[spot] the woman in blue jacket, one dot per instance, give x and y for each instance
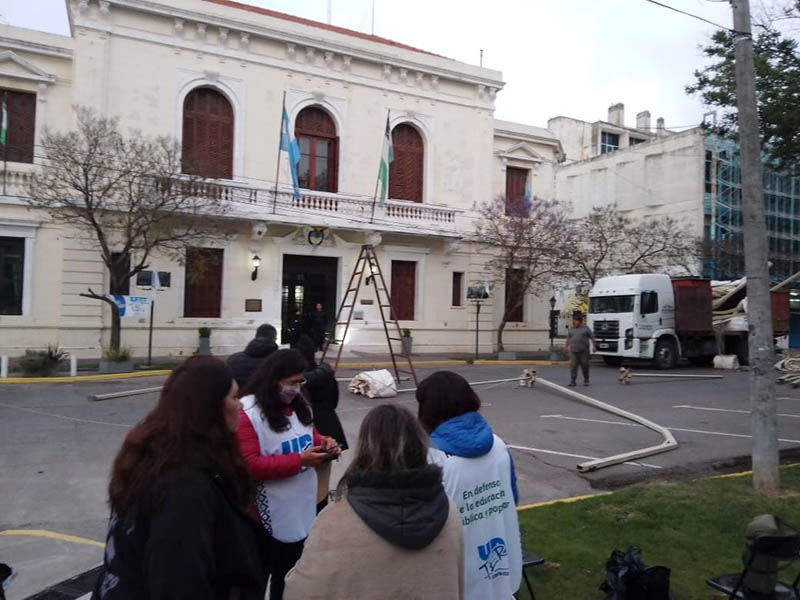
(478, 475)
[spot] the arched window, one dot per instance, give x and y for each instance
(405, 172)
(319, 150)
(207, 148)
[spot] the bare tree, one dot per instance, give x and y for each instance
(611, 243)
(527, 245)
(124, 194)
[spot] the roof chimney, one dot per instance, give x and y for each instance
(616, 114)
(660, 126)
(643, 120)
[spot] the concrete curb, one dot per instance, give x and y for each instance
(79, 378)
(344, 366)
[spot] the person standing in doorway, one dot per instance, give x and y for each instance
(576, 347)
(318, 324)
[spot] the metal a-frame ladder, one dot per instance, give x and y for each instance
(368, 263)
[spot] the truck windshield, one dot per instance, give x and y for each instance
(611, 304)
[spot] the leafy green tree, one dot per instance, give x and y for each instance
(777, 73)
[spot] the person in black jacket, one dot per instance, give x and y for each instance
(323, 390)
(245, 363)
(317, 325)
(179, 493)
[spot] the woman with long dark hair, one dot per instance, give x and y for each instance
(281, 448)
(323, 391)
(391, 532)
(479, 477)
(179, 493)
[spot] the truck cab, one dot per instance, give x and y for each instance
(633, 316)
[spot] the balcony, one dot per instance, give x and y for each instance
(348, 211)
(16, 178)
(345, 211)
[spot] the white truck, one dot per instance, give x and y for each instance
(661, 318)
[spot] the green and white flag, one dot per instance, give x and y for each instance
(4, 125)
(387, 156)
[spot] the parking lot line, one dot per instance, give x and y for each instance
(543, 451)
(732, 410)
(54, 535)
(702, 431)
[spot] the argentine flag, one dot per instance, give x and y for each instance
(289, 144)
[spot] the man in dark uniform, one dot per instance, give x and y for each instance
(576, 347)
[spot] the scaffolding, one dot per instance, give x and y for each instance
(723, 214)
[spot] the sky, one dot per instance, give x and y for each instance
(558, 57)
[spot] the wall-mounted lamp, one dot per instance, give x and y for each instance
(373, 270)
(256, 261)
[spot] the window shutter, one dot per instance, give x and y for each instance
(21, 108)
(514, 290)
(202, 296)
(515, 190)
(403, 289)
(406, 170)
(207, 145)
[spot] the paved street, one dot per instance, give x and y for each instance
(56, 447)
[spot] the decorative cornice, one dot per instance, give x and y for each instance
(315, 43)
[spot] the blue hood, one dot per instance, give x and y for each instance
(467, 435)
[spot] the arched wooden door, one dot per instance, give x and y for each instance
(405, 172)
(207, 144)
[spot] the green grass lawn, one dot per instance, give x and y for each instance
(696, 529)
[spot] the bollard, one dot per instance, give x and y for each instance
(73, 365)
(3, 366)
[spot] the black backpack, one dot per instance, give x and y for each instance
(628, 578)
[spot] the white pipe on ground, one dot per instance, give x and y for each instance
(3, 366)
(97, 397)
(669, 442)
(73, 365)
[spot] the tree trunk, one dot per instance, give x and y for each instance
(500, 335)
(763, 419)
(114, 342)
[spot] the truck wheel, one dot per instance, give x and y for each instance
(612, 361)
(666, 355)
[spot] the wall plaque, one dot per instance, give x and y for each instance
(252, 305)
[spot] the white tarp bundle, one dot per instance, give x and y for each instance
(374, 384)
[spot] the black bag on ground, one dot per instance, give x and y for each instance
(628, 578)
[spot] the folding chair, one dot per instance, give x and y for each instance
(529, 559)
(783, 548)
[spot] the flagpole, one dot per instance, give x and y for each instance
(378, 178)
(278, 162)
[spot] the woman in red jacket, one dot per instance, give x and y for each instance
(281, 448)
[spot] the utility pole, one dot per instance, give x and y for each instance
(763, 418)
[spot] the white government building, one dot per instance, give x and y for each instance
(178, 66)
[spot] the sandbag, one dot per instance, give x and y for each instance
(729, 362)
(374, 384)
